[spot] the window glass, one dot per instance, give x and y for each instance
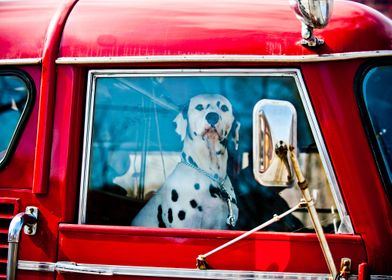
(14, 97)
(170, 131)
(377, 95)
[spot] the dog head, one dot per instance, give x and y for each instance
(208, 117)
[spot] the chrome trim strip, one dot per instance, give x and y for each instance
(345, 227)
(88, 130)
(381, 277)
(179, 273)
(222, 58)
(37, 266)
(98, 269)
(20, 61)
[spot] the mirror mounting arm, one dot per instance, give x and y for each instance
(308, 38)
(303, 185)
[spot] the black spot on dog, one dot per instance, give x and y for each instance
(191, 161)
(224, 195)
(193, 203)
(174, 195)
(181, 215)
(218, 104)
(199, 107)
(197, 186)
(183, 155)
(170, 215)
(224, 142)
(161, 223)
(184, 111)
(200, 208)
(214, 191)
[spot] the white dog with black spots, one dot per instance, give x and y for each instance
(198, 193)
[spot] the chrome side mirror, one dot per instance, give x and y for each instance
(312, 14)
(274, 129)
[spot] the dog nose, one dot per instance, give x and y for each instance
(212, 118)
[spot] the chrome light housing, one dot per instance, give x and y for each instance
(312, 14)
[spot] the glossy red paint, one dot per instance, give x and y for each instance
(363, 272)
(186, 28)
(259, 27)
(337, 111)
(22, 30)
(179, 248)
(67, 138)
(19, 171)
(47, 95)
(131, 28)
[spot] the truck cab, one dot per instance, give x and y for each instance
(207, 140)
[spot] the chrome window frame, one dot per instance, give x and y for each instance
(345, 226)
(86, 60)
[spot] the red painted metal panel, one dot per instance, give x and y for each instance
(175, 27)
(206, 27)
(213, 27)
(33, 275)
(19, 170)
(332, 92)
(47, 96)
(179, 248)
(67, 139)
(42, 246)
(23, 27)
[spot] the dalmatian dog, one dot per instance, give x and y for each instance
(198, 193)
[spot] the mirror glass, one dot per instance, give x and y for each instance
(274, 130)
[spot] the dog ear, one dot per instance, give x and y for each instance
(235, 134)
(181, 125)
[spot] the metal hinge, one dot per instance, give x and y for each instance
(31, 229)
(345, 268)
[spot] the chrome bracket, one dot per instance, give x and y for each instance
(308, 38)
(31, 229)
(345, 268)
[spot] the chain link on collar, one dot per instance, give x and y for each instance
(216, 179)
(224, 194)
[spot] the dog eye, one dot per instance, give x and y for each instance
(224, 108)
(199, 107)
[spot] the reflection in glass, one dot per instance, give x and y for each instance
(377, 93)
(135, 146)
(13, 101)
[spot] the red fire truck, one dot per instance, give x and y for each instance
(195, 139)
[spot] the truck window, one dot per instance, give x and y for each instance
(137, 123)
(15, 97)
(377, 97)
